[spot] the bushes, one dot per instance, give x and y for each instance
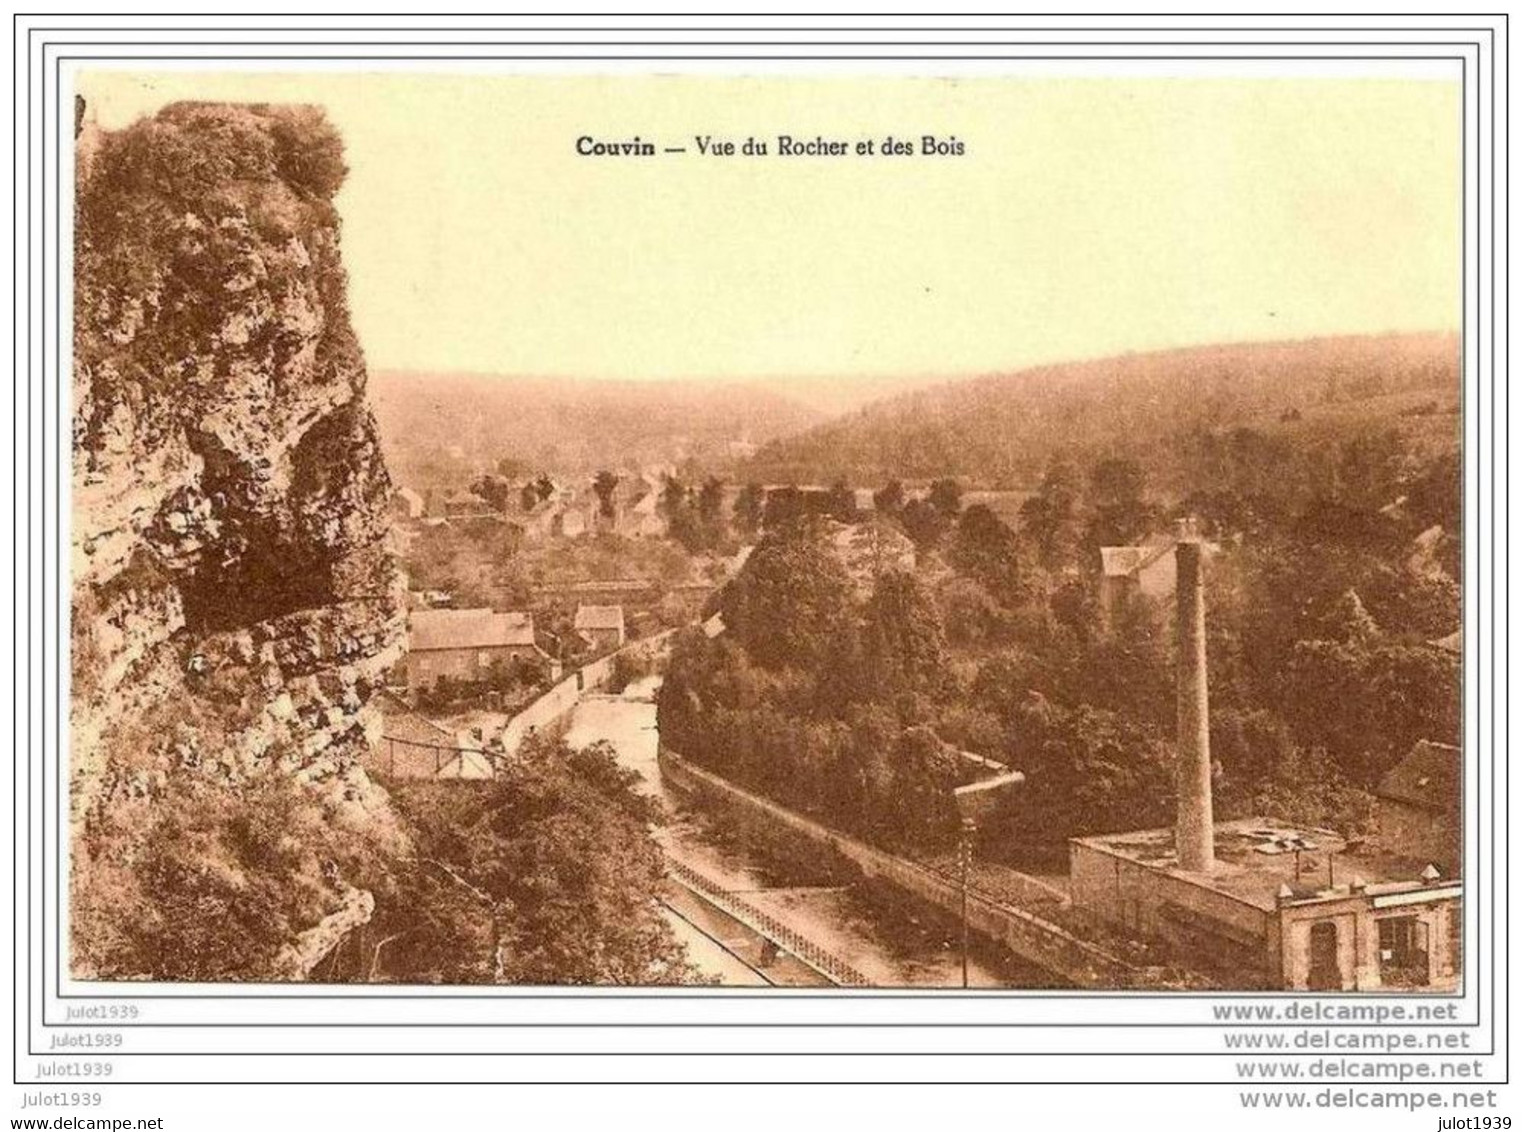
(629, 666)
(546, 874)
(225, 879)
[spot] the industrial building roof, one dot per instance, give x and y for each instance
(1258, 857)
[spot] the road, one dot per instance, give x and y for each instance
(900, 953)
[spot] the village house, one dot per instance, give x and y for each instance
(465, 645)
(1418, 802)
(641, 516)
(407, 505)
(1127, 571)
(600, 626)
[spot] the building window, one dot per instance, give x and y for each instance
(1403, 951)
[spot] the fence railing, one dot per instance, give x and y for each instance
(1040, 940)
(832, 967)
(442, 756)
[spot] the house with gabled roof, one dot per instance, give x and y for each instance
(466, 645)
(1418, 805)
(600, 626)
(1149, 570)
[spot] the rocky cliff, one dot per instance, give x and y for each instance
(233, 604)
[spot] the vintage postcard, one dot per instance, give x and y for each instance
(746, 550)
(769, 532)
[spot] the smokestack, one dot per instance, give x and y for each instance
(1194, 834)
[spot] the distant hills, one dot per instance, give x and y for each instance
(995, 431)
(441, 429)
(1001, 430)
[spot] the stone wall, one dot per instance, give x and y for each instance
(549, 714)
(1032, 938)
(545, 716)
(1195, 919)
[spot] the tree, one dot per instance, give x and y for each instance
(973, 617)
(1087, 770)
(1364, 696)
(1369, 470)
(308, 151)
(496, 490)
(711, 510)
(902, 641)
(543, 874)
(694, 519)
(748, 508)
(986, 550)
(788, 506)
(919, 801)
(1050, 516)
(511, 468)
(889, 499)
(675, 497)
(843, 502)
(605, 483)
(1253, 749)
(791, 603)
(946, 497)
(924, 523)
(1121, 515)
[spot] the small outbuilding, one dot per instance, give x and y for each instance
(600, 626)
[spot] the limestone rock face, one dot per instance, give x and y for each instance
(234, 606)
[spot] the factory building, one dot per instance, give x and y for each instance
(1272, 904)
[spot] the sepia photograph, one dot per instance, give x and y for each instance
(791, 532)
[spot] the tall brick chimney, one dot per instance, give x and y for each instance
(1194, 831)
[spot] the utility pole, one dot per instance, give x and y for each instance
(972, 801)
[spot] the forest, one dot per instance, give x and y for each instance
(439, 430)
(1004, 429)
(1333, 593)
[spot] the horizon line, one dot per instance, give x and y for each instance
(914, 375)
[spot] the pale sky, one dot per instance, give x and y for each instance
(1088, 217)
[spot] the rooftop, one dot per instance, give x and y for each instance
(1120, 561)
(1257, 857)
(599, 617)
(1428, 777)
(468, 629)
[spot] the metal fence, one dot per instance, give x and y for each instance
(830, 966)
(441, 757)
